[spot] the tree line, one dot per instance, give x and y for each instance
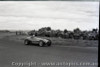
(75, 34)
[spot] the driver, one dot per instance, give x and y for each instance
(32, 36)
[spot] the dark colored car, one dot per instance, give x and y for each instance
(36, 40)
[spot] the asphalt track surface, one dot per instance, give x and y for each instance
(16, 54)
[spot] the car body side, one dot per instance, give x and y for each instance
(36, 40)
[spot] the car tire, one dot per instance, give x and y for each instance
(49, 43)
(26, 42)
(41, 43)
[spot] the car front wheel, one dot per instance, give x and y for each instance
(26, 42)
(41, 43)
(49, 43)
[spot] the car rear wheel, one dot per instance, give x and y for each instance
(41, 43)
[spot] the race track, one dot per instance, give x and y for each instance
(16, 54)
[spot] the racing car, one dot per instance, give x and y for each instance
(36, 40)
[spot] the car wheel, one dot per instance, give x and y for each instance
(26, 42)
(49, 43)
(41, 43)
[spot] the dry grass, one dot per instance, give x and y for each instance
(55, 41)
(60, 41)
(3, 34)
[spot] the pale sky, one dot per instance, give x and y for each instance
(55, 14)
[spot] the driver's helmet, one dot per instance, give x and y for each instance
(33, 35)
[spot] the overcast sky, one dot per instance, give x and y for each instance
(56, 14)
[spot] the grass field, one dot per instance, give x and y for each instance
(5, 34)
(55, 41)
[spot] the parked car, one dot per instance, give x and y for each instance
(36, 40)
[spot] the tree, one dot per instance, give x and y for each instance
(95, 30)
(77, 33)
(77, 30)
(65, 31)
(48, 28)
